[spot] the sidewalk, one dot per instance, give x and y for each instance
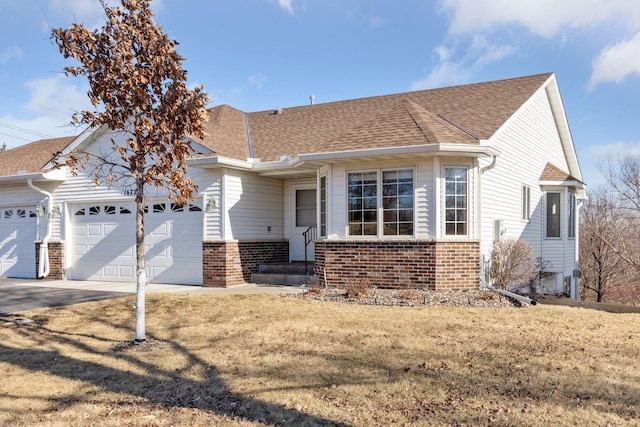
(26, 294)
(102, 286)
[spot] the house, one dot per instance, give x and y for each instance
(406, 190)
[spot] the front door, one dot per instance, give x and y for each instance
(303, 216)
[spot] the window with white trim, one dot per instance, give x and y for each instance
(553, 215)
(526, 203)
(323, 206)
(455, 201)
(388, 191)
(571, 215)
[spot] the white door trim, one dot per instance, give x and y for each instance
(296, 239)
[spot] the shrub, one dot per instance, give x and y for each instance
(358, 288)
(511, 263)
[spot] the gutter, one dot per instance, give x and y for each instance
(475, 150)
(525, 300)
(43, 266)
(53, 175)
(286, 162)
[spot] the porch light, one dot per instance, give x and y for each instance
(55, 211)
(211, 204)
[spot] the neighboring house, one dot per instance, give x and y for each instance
(404, 190)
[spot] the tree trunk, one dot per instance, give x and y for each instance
(141, 279)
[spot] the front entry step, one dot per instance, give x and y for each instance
(292, 273)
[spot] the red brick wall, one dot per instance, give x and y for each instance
(399, 263)
(56, 260)
(457, 265)
(229, 263)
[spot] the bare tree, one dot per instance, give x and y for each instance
(511, 263)
(600, 265)
(138, 88)
(623, 235)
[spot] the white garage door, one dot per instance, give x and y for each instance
(104, 243)
(17, 248)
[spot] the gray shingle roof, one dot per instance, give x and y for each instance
(458, 114)
(31, 157)
(453, 115)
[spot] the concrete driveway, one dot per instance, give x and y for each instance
(27, 294)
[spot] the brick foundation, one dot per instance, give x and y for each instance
(229, 263)
(56, 260)
(399, 263)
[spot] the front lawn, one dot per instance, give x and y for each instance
(269, 360)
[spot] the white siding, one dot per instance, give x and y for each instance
(252, 204)
(338, 195)
(213, 220)
(528, 142)
(425, 208)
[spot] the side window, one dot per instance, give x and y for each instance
(553, 215)
(323, 206)
(363, 203)
(397, 202)
(526, 203)
(571, 216)
(455, 201)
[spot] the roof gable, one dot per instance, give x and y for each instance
(554, 173)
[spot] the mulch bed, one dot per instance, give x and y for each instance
(410, 297)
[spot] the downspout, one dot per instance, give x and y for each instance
(482, 171)
(515, 296)
(43, 266)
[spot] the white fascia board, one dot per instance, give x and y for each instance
(53, 175)
(562, 124)
(468, 150)
(571, 183)
(218, 161)
(472, 150)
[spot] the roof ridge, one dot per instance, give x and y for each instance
(407, 93)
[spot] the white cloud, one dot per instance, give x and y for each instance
(376, 22)
(557, 19)
(286, 5)
(478, 54)
(88, 13)
(258, 80)
(10, 54)
(18, 131)
(543, 17)
(56, 95)
(598, 156)
(616, 62)
(52, 101)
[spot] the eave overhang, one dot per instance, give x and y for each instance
(53, 175)
(308, 163)
(580, 187)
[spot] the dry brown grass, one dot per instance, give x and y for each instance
(265, 360)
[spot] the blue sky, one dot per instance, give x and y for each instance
(263, 54)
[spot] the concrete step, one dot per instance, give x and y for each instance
(280, 278)
(286, 268)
